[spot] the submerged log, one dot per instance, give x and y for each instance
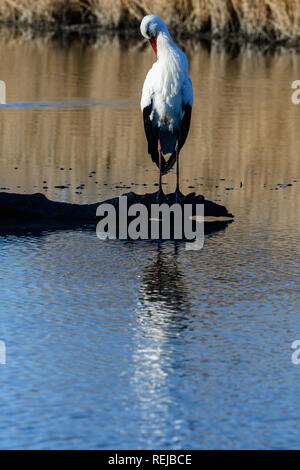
(27, 212)
(211, 209)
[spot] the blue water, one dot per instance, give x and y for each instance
(69, 104)
(139, 345)
(117, 345)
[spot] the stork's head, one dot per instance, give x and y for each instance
(151, 27)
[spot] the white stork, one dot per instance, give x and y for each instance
(167, 99)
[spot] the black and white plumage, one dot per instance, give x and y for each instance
(167, 97)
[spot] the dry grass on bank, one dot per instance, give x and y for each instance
(253, 19)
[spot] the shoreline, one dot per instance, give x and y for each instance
(90, 32)
(260, 22)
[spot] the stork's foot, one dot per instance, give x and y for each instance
(160, 197)
(178, 195)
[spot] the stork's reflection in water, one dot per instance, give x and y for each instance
(164, 338)
(163, 293)
(163, 313)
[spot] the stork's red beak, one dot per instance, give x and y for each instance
(153, 44)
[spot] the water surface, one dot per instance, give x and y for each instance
(140, 345)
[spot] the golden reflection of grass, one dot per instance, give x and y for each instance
(254, 18)
(244, 126)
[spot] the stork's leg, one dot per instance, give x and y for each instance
(178, 194)
(160, 191)
(159, 156)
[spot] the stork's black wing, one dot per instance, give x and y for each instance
(184, 130)
(185, 125)
(152, 137)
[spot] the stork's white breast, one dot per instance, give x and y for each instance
(168, 87)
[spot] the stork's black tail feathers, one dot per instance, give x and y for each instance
(169, 164)
(155, 158)
(165, 165)
(152, 137)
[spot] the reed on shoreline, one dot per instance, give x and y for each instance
(254, 20)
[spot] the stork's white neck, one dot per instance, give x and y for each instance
(165, 44)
